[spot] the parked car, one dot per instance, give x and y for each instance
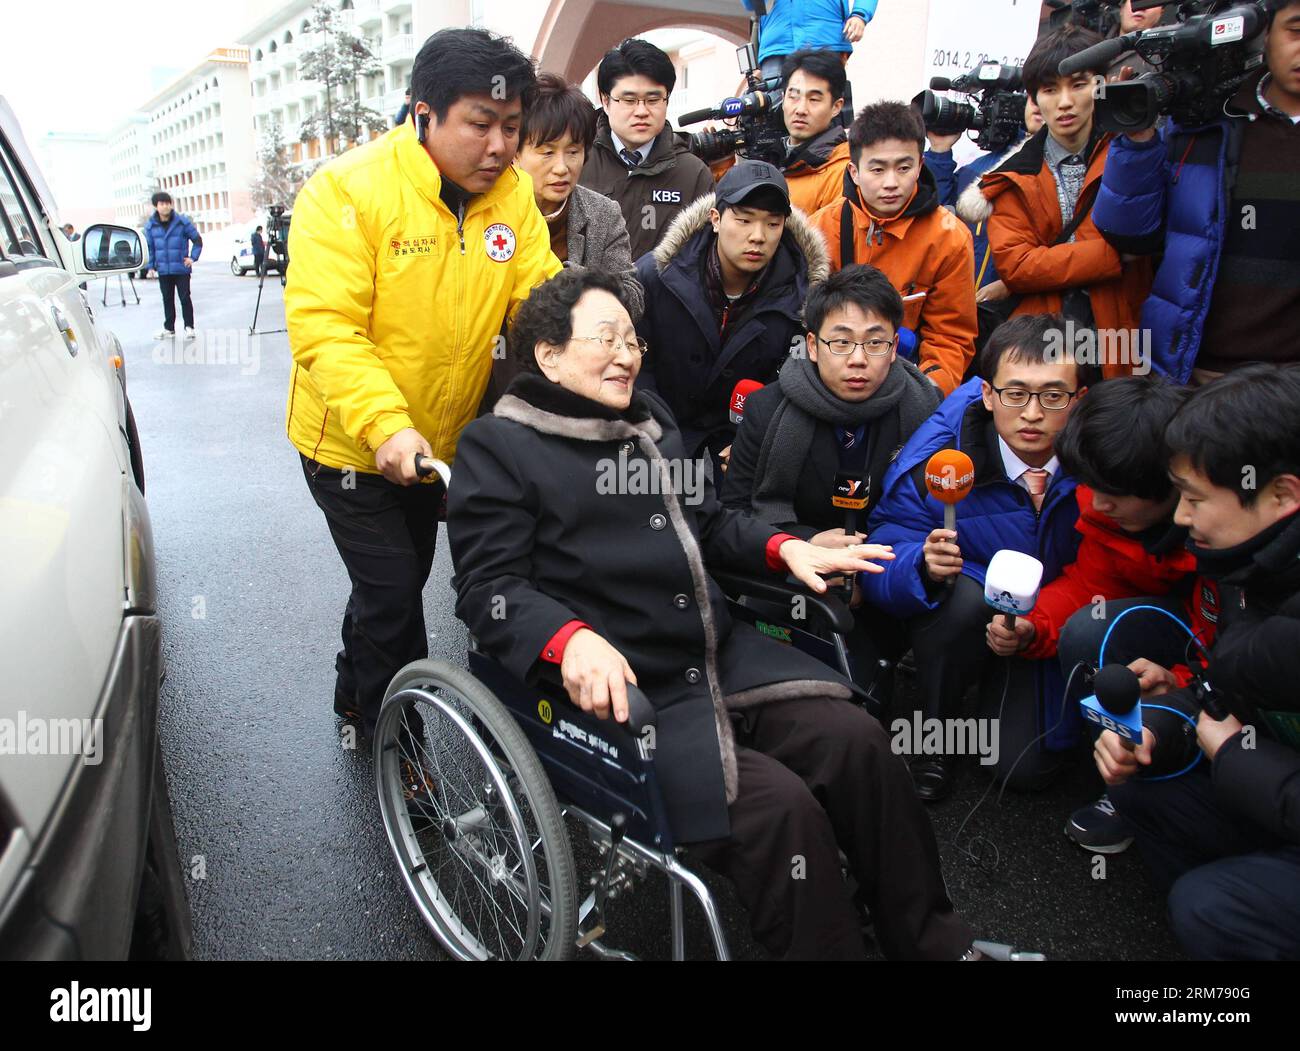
(241, 262)
(89, 867)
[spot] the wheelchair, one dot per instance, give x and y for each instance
(477, 773)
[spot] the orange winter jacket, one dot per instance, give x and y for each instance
(928, 255)
(1024, 222)
(816, 177)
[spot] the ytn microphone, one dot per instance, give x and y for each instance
(1011, 584)
(740, 392)
(1115, 706)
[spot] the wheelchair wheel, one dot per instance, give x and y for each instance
(473, 820)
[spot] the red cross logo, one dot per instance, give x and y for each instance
(499, 242)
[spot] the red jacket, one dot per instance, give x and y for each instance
(1113, 564)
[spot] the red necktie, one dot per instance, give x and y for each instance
(1036, 482)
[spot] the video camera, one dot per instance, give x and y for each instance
(277, 230)
(1098, 15)
(760, 132)
(998, 113)
(1199, 63)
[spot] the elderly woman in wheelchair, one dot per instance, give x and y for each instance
(581, 540)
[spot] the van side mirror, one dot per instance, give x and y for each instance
(111, 248)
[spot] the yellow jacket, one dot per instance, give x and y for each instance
(393, 312)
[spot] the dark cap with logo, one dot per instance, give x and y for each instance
(748, 176)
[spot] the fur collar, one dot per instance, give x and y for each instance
(547, 407)
(972, 205)
(695, 217)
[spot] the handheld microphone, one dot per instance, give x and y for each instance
(739, 393)
(1011, 584)
(949, 476)
(1116, 706)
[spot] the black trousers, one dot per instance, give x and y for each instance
(386, 535)
(259, 263)
(1234, 888)
(951, 654)
(179, 284)
(818, 776)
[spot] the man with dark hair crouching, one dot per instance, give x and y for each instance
(844, 406)
(1131, 554)
(1213, 791)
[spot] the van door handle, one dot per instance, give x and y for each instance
(65, 329)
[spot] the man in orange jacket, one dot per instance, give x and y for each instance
(1045, 246)
(889, 216)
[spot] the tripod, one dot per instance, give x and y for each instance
(261, 280)
(121, 289)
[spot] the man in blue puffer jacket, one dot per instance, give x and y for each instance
(174, 247)
(818, 25)
(1219, 202)
(1020, 499)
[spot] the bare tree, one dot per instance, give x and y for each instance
(336, 60)
(278, 181)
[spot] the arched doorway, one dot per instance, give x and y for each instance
(575, 33)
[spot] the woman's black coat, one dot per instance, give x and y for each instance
(539, 539)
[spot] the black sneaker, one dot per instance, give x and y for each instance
(1099, 829)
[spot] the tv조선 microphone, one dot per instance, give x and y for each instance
(739, 393)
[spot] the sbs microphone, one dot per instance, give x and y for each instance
(1115, 706)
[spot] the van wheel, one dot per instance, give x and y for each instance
(162, 929)
(235, 268)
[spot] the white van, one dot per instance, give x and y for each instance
(88, 859)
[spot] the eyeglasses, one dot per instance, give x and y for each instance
(612, 343)
(873, 348)
(1018, 397)
(652, 101)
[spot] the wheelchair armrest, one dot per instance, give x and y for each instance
(640, 712)
(837, 615)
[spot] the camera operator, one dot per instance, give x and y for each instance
(959, 190)
(1223, 836)
(1218, 201)
(1129, 21)
(818, 145)
(638, 161)
(408, 254)
(1047, 250)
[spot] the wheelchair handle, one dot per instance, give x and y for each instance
(427, 465)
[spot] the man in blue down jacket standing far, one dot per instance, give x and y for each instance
(174, 247)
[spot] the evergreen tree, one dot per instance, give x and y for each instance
(336, 60)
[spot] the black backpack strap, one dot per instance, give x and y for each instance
(1081, 210)
(847, 254)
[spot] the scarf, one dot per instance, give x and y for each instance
(903, 402)
(1270, 554)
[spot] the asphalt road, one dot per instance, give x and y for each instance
(280, 823)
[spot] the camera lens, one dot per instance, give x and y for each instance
(944, 116)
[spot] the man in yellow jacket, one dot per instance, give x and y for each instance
(408, 255)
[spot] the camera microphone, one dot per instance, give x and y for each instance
(1099, 56)
(940, 84)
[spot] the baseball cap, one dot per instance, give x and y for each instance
(747, 176)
